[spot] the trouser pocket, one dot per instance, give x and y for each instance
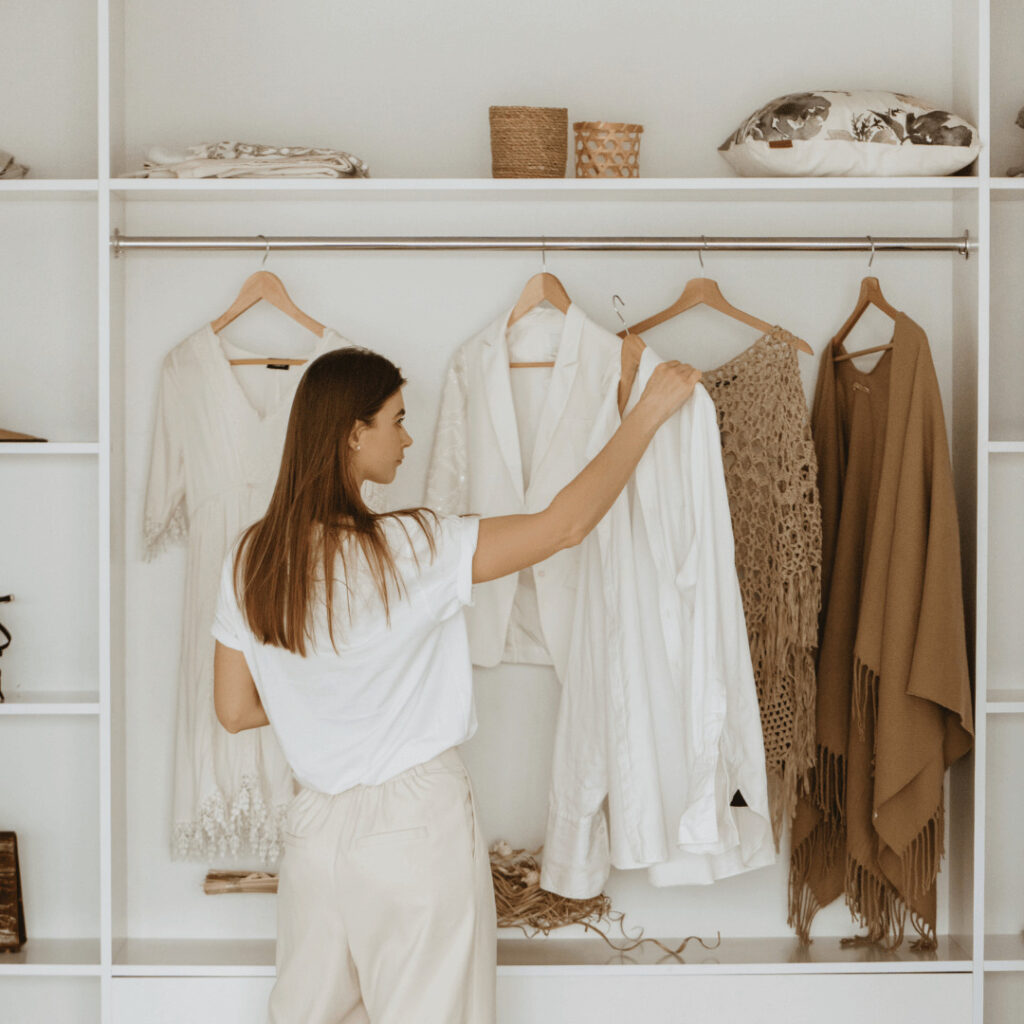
(305, 816)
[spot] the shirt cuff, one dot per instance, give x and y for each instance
(577, 860)
(698, 825)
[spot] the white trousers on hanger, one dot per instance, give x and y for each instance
(385, 905)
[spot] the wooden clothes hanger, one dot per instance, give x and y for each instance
(269, 287)
(705, 291)
(629, 362)
(870, 295)
(629, 357)
(541, 287)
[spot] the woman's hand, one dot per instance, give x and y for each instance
(670, 386)
(509, 543)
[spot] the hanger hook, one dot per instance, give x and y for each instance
(543, 254)
(616, 303)
(967, 245)
(266, 252)
(701, 250)
(872, 241)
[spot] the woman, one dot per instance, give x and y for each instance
(385, 905)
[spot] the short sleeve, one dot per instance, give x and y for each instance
(451, 574)
(228, 625)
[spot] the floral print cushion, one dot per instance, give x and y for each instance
(850, 133)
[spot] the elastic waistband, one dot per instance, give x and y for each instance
(449, 760)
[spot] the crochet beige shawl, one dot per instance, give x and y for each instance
(771, 474)
(894, 696)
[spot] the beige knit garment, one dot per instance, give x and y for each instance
(771, 475)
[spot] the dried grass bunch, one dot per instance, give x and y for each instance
(522, 903)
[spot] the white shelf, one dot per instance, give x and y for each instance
(53, 957)
(49, 448)
(193, 957)
(1004, 702)
(54, 702)
(776, 955)
(782, 955)
(1004, 953)
(42, 187)
(532, 188)
(1006, 447)
(49, 188)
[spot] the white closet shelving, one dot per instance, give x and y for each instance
(119, 932)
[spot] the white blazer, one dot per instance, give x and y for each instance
(658, 727)
(476, 464)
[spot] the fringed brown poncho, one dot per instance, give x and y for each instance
(894, 697)
(771, 474)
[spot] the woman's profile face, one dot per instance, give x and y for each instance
(382, 443)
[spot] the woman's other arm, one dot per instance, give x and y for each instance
(507, 544)
(235, 697)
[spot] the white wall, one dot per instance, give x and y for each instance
(54, 814)
(416, 309)
(48, 57)
(48, 318)
(1007, 85)
(1007, 366)
(48, 522)
(407, 89)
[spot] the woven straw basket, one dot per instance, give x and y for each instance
(529, 142)
(607, 149)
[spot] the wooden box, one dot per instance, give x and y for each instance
(12, 909)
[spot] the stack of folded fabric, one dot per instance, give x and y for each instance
(9, 168)
(245, 160)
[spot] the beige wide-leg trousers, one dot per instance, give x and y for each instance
(385, 905)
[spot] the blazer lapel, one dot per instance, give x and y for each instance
(498, 391)
(560, 385)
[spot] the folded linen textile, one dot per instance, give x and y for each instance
(284, 168)
(249, 160)
(9, 168)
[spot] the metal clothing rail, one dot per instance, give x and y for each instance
(962, 245)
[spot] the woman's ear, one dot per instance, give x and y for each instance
(355, 435)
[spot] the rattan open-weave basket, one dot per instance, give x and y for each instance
(529, 142)
(607, 149)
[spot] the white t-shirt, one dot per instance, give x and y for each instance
(391, 696)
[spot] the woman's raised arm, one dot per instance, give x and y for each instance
(507, 544)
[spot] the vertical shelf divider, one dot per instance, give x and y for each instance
(103, 304)
(984, 257)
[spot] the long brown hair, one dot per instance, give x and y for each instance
(316, 503)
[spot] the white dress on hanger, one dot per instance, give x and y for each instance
(216, 452)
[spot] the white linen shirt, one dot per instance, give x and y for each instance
(391, 696)
(659, 711)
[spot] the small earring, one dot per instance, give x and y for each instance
(357, 447)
